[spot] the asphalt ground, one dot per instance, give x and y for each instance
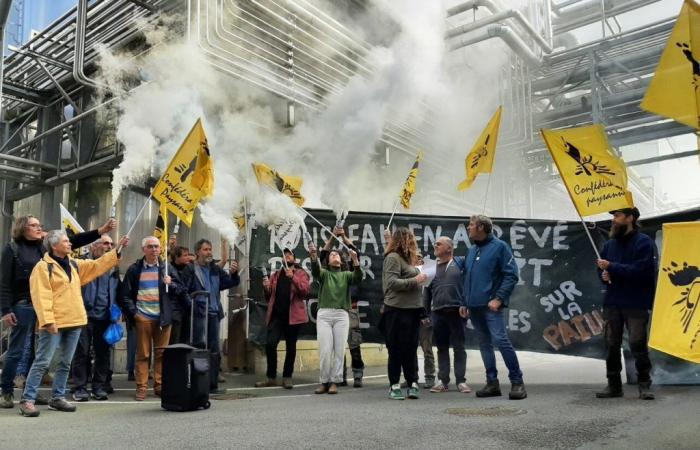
(561, 411)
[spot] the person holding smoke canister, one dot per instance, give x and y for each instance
(332, 320)
(286, 313)
(403, 310)
(58, 302)
(628, 270)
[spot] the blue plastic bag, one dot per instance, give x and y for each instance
(114, 333)
(115, 313)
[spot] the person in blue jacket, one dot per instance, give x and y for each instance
(206, 275)
(490, 275)
(627, 267)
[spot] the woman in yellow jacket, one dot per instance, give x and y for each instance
(58, 302)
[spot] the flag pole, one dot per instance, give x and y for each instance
(133, 224)
(165, 232)
(486, 195)
(328, 230)
(393, 213)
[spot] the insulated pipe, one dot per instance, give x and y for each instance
(590, 11)
(5, 6)
(500, 16)
(79, 58)
(508, 36)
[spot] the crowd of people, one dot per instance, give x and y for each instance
(59, 305)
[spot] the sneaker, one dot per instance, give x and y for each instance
(322, 389)
(19, 381)
(413, 391)
(492, 389)
(81, 395)
(333, 389)
(99, 394)
(429, 383)
(269, 382)
(610, 391)
(517, 391)
(27, 409)
(645, 391)
(41, 400)
(109, 389)
(140, 394)
(357, 383)
(395, 392)
(287, 383)
(60, 404)
(440, 387)
(464, 388)
(7, 401)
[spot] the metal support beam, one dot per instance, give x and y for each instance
(678, 155)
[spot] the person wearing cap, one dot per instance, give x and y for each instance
(627, 267)
(286, 313)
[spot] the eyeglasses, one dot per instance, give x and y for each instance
(35, 225)
(152, 246)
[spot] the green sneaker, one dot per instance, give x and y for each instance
(395, 393)
(413, 391)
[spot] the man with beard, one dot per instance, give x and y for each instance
(627, 266)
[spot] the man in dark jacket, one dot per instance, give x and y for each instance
(98, 297)
(443, 298)
(490, 275)
(206, 275)
(16, 264)
(146, 302)
(627, 267)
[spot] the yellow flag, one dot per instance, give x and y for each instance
(161, 229)
(595, 178)
(189, 176)
(675, 324)
(409, 186)
(480, 158)
(71, 227)
(286, 184)
(673, 92)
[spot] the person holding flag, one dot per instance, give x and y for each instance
(627, 267)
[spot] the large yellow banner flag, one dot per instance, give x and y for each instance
(480, 158)
(595, 178)
(409, 186)
(189, 176)
(675, 323)
(673, 92)
(286, 184)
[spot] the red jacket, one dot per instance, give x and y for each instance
(299, 291)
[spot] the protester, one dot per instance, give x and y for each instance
(490, 277)
(425, 340)
(18, 259)
(354, 334)
(443, 298)
(332, 321)
(147, 303)
(180, 328)
(55, 292)
(286, 313)
(206, 275)
(98, 297)
(627, 267)
(403, 310)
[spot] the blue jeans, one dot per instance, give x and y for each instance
(66, 340)
(27, 356)
(26, 319)
(212, 343)
(491, 329)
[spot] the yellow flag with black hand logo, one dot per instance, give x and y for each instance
(673, 92)
(189, 176)
(594, 176)
(480, 158)
(675, 324)
(409, 186)
(286, 184)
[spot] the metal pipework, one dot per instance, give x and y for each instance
(508, 36)
(590, 11)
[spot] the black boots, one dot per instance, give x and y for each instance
(492, 389)
(517, 392)
(645, 390)
(613, 389)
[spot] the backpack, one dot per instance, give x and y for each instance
(72, 263)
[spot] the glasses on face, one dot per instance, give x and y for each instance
(37, 226)
(152, 246)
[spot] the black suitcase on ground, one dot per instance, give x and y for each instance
(186, 372)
